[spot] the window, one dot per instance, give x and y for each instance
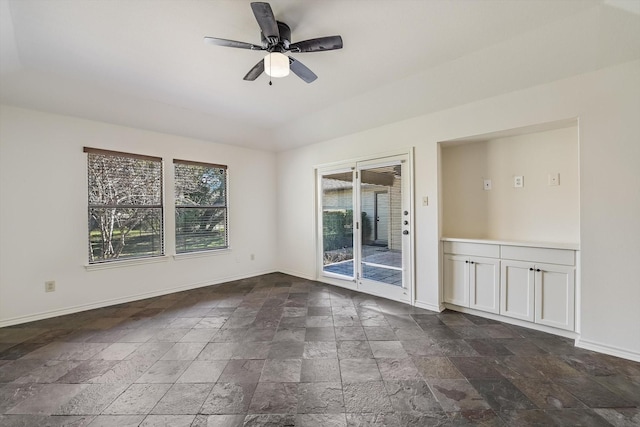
(125, 206)
(201, 206)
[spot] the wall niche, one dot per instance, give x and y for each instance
(481, 196)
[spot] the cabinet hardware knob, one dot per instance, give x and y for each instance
(466, 262)
(405, 232)
(472, 262)
(538, 269)
(531, 269)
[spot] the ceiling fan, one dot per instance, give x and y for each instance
(276, 40)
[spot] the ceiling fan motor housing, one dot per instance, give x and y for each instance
(285, 38)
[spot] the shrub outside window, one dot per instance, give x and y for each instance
(125, 206)
(201, 206)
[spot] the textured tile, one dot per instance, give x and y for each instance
(436, 367)
(203, 371)
(164, 371)
(457, 395)
(117, 351)
(137, 399)
(546, 394)
(217, 351)
(242, 371)
(47, 399)
(370, 397)
(502, 395)
(411, 396)
(229, 398)
(117, 421)
(126, 371)
(168, 421)
(621, 417)
(320, 398)
(290, 334)
(592, 393)
(218, 421)
(49, 372)
(321, 420)
(348, 333)
(13, 394)
(476, 367)
(91, 400)
(270, 420)
(380, 333)
(184, 351)
(388, 349)
(354, 350)
(372, 420)
(274, 398)
(286, 350)
(281, 370)
(320, 350)
(398, 369)
(316, 354)
(183, 399)
(320, 370)
(359, 370)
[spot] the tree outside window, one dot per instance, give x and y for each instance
(125, 206)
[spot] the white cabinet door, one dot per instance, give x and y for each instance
(517, 290)
(456, 280)
(484, 284)
(555, 295)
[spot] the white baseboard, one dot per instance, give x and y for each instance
(105, 303)
(428, 306)
(608, 349)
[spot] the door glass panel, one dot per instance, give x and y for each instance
(337, 224)
(381, 219)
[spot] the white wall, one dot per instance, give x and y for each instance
(607, 103)
(43, 215)
(536, 212)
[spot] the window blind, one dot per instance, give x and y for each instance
(201, 206)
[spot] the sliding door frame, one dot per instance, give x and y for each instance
(351, 165)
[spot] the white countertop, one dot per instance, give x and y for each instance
(550, 245)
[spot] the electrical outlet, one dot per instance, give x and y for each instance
(518, 181)
(554, 179)
(253, 257)
(50, 286)
(487, 184)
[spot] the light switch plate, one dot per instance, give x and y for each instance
(518, 181)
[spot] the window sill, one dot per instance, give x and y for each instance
(201, 254)
(126, 263)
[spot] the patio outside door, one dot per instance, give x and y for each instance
(366, 226)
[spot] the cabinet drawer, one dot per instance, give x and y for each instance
(473, 249)
(549, 256)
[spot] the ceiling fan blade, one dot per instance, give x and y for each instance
(316, 45)
(301, 70)
(266, 20)
(255, 72)
(231, 43)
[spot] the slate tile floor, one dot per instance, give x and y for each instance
(276, 350)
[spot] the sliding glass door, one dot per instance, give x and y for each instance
(365, 226)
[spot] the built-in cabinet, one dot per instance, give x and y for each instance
(530, 283)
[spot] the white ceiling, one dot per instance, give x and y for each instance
(143, 63)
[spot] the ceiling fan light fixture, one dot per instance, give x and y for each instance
(276, 65)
